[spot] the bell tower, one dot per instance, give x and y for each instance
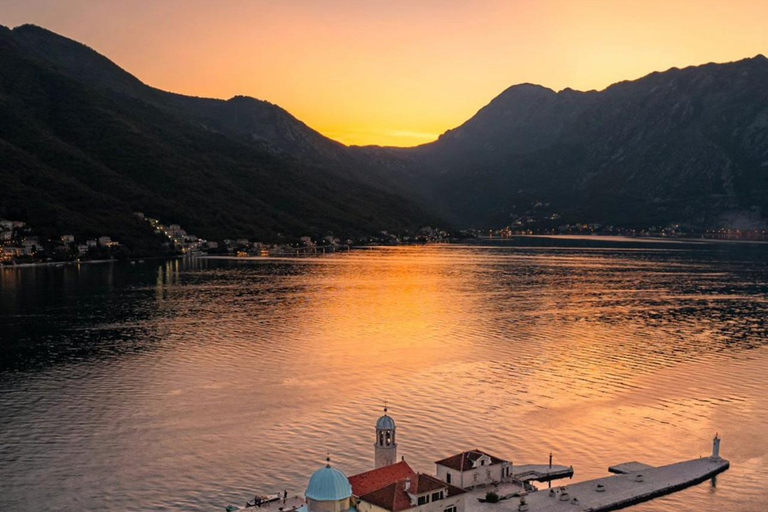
(385, 447)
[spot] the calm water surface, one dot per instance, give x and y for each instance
(190, 385)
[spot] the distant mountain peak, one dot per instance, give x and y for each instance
(528, 89)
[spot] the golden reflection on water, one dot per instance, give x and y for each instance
(390, 318)
(212, 379)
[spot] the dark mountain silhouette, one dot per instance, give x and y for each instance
(685, 146)
(83, 144)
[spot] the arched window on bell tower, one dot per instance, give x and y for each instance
(385, 447)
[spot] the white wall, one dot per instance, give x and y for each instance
(482, 475)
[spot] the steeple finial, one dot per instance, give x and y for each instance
(328, 459)
(385, 406)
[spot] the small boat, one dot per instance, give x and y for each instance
(263, 500)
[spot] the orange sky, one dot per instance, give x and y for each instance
(397, 72)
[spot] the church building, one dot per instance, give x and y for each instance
(328, 491)
(390, 487)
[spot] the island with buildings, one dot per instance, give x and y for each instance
(476, 481)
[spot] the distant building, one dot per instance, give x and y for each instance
(67, 239)
(31, 246)
(212, 245)
(6, 236)
(8, 252)
(92, 243)
(82, 249)
(473, 468)
(105, 241)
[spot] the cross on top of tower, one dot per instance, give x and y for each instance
(385, 406)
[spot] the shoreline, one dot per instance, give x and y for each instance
(485, 238)
(629, 239)
(37, 264)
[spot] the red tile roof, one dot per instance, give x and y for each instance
(395, 498)
(464, 461)
(426, 483)
(365, 483)
(392, 497)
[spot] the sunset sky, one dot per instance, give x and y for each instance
(397, 72)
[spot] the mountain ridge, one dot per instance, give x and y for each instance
(687, 145)
(81, 158)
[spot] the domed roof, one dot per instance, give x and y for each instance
(328, 484)
(385, 423)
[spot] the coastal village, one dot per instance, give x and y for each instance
(671, 231)
(19, 244)
(477, 481)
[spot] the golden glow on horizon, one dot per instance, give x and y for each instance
(397, 72)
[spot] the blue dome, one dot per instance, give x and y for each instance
(328, 484)
(385, 423)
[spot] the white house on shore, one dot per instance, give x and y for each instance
(473, 468)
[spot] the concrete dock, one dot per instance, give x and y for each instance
(612, 492)
(628, 467)
(541, 472)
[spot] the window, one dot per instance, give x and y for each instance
(482, 462)
(437, 496)
(448, 477)
(423, 500)
(450, 509)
